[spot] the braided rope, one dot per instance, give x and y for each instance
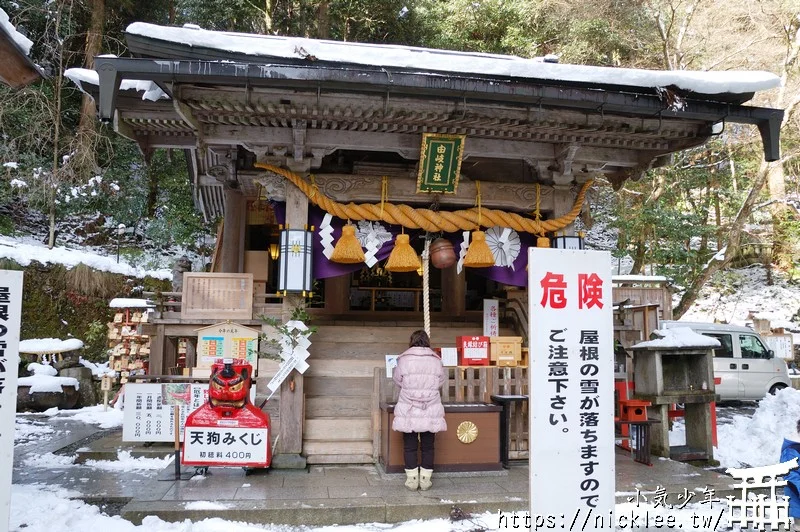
(431, 221)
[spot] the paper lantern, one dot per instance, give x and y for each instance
(348, 248)
(403, 257)
(295, 261)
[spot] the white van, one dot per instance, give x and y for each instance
(745, 368)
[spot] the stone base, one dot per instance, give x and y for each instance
(288, 461)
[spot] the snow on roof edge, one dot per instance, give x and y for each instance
(21, 41)
(383, 55)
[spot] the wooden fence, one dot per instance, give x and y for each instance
(474, 385)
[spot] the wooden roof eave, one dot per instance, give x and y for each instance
(16, 69)
(590, 101)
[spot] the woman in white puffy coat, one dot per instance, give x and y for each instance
(419, 413)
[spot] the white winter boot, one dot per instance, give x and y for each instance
(412, 479)
(425, 478)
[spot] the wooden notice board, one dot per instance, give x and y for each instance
(226, 340)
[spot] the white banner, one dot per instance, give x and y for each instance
(491, 317)
(10, 318)
(146, 418)
(225, 445)
(571, 382)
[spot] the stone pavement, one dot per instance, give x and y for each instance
(317, 495)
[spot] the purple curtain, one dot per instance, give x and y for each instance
(323, 268)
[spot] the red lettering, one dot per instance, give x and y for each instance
(590, 290)
(553, 290)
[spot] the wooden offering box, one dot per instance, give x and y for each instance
(506, 350)
(477, 423)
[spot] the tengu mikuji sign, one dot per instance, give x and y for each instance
(10, 318)
(571, 383)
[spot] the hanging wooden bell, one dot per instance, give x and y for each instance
(478, 255)
(348, 248)
(403, 257)
(442, 253)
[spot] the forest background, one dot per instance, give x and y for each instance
(712, 208)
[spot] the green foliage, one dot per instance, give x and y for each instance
(298, 314)
(95, 346)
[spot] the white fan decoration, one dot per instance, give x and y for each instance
(505, 245)
(372, 236)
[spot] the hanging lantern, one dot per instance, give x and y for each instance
(295, 261)
(568, 241)
(348, 248)
(442, 253)
(403, 257)
(479, 255)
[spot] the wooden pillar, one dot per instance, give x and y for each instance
(454, 292)
(292, 402)
(563, 200)
(233, 231)
(156, 358)
(337, 294)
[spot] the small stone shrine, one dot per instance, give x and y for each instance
(676, 366)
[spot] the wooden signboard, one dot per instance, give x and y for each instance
(781, 344)
(440, 162)
(226, 340)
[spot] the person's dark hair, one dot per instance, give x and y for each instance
(419, 339)
(798, 426)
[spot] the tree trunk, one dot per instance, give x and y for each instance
(732, 243)
(323, 20)
(86, 126)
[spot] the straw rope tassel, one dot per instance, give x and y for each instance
(348, 248)
(403, 258)
(431, 221)
(478, 254)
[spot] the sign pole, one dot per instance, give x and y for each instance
(10, 318)
(176, 409)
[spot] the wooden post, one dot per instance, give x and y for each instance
(176, 410)
(454, 292)
(233, 231)
(292, 404)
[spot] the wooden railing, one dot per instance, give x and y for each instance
(471, 385)
(214, 296)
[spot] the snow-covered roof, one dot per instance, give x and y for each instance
(150, 90)
(445, 61)
(678, 337)
(128, 302)
(19, 39)
(49, 345)
(639, 279)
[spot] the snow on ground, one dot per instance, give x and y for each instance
(25, 251)
(736, 296)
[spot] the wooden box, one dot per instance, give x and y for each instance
(451, 454)
(506, 350)
(473, 350)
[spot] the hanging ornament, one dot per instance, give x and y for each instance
(442, 253)
(505, 245)
(542, 242)
(348, 249)
(326, 235)
(403, 257)
(462, 252)
(372, 236)
(478, 255)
